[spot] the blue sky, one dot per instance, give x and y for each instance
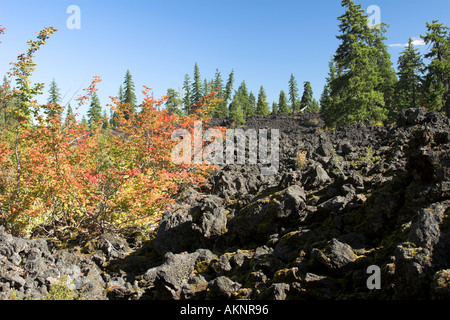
(159, 41)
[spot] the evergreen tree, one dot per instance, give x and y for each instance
(236, 113)
(388, 76)
(5, 91)
(221, 110)
(325, 96)
(129, 97)
(354, 95)
(262, 106)
(314, 106)
(70, 116)
(407, 90)
(106, 123)
(54, 94)
(293, 93)
(437, 78)
(243, 100)
(307, 96)
(196, 87)
(54, 98)
(173, 102)
(120, 95)
(218, 84)
(187, 106)
(94, 112)
(229, 87)
(275, 108)
(252, 100)
(84, 122)
(283, 107)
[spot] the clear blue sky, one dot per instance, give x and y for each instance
(159, 41)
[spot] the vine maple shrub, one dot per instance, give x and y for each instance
(57, 173)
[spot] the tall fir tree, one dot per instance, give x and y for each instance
(54, 98)
(315, 107)
(187, 100)
(129, 97)
(407, 91)
(229, 87)
(283, 106)
(388, 76)
(437, 78)
(197, 90)
(293, 93)
(243, 99)
(354, 95)
(307, 97)
(54, 95)
(94, 112)
(325, 102)
(252, 100)
(173, 102)
(262, 106)
(218, 84)
(275, 108)
(236, 115)
(221, 110)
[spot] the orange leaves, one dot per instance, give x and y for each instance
(82, 99)
(95, 181)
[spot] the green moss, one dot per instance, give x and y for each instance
(60, 291)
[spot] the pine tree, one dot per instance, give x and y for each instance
(54, 98)
(94, 112)
(307, 96)
(262, 106)
(5, 91)
(120, 95)
(129, 97)
(283, 107)
(236, 113)
(293, 93)
(173, 102)
(70, 116)
(187, 106)
(54, 94)
(315, 107)
(355, 94)
(196, 87)
(105, 122)
(243, 99)
(275, 108)
(222, 109)
(218, 85)
(325, 96)
(388, 76)
(407, 90)
(437, 78)
(252, 100)
(229, 87)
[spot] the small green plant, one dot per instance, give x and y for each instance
(60, 291)
(367, 157)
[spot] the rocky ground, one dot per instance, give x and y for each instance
(341, 201)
